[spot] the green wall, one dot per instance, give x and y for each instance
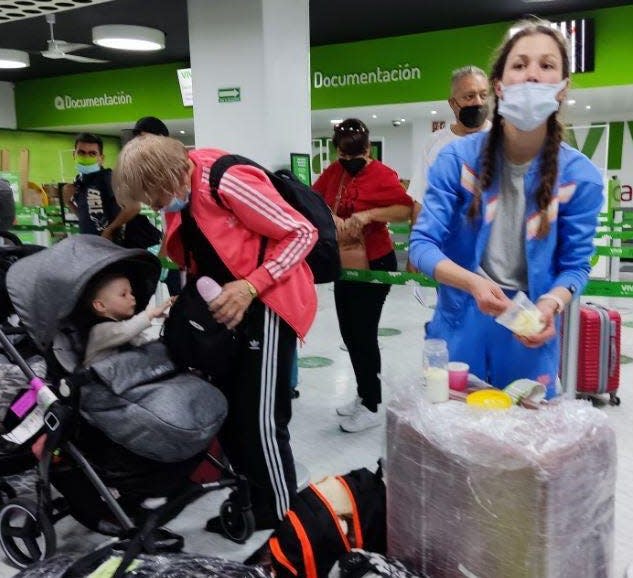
(113, 96)
(614, 49)
(412, 68)
(436, 54)
(44, 153)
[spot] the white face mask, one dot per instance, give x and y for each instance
(528, 104)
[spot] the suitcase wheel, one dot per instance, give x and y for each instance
(614, 399)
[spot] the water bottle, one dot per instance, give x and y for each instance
(208, 288)
(435, 370)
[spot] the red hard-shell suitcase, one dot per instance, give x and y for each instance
(599, 351)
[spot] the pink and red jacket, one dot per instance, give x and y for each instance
(253, 209)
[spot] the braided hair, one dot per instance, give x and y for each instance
(549, 163)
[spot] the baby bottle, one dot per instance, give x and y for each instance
(208, 288)
(435, 370)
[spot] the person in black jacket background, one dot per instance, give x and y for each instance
(92, 199)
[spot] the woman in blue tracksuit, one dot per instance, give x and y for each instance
(512, 209)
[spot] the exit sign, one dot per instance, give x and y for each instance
(229, 94)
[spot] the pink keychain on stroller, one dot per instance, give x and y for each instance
(29, 398)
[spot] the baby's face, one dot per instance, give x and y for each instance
(117, 299)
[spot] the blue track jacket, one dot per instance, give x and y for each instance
(443, 229)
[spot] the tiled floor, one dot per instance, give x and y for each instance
(324, 449)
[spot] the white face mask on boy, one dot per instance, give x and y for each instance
(528, 104)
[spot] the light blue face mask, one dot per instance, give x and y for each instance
(177, 204)
(87, 169)
(527, 105)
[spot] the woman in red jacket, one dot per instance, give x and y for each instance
(364, 195)
(269, 300)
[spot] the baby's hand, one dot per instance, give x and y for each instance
(159, 310)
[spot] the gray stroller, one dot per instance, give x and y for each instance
(111, 436)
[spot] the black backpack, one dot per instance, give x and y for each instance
(359, 563)
(324, 258)
(140, 234)
(309, 540)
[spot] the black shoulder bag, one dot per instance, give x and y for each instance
(195, 340)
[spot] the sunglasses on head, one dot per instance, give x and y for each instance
(350, 128)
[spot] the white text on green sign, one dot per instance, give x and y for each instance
(376, 76)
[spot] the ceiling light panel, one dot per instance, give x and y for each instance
(126, 37)
(13, 58)
(20, 9)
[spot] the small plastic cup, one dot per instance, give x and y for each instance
(458, 375)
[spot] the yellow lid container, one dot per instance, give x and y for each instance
(489, 399)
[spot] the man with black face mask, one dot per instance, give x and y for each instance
(469, 102)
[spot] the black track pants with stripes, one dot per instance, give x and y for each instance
(255, 434)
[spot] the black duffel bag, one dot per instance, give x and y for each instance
(195, 340)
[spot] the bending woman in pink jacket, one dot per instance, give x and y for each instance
(270, 302)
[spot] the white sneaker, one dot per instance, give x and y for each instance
(363, 419)
(349, 408)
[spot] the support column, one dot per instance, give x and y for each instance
(262, 49)
(420, 133)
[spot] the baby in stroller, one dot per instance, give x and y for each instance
(111, 301)
(124, 429)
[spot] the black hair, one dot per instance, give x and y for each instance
(351, 137)
(151, 125)
(90, 138)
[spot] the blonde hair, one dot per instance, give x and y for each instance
(147, 166)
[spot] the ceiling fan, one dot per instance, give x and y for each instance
(60, 49)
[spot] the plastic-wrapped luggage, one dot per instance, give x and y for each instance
(145, 566)
(497, 494)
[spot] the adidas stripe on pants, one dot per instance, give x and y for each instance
(255, 434)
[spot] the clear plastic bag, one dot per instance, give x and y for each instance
(522, 317)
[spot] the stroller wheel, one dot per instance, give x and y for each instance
(25, 536)
(238, 524)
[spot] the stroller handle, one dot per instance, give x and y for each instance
(15, 356)
(26, 401)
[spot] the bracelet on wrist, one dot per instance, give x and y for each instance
(560, 304)
(251, 289)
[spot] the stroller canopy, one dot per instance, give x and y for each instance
(45, 288)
